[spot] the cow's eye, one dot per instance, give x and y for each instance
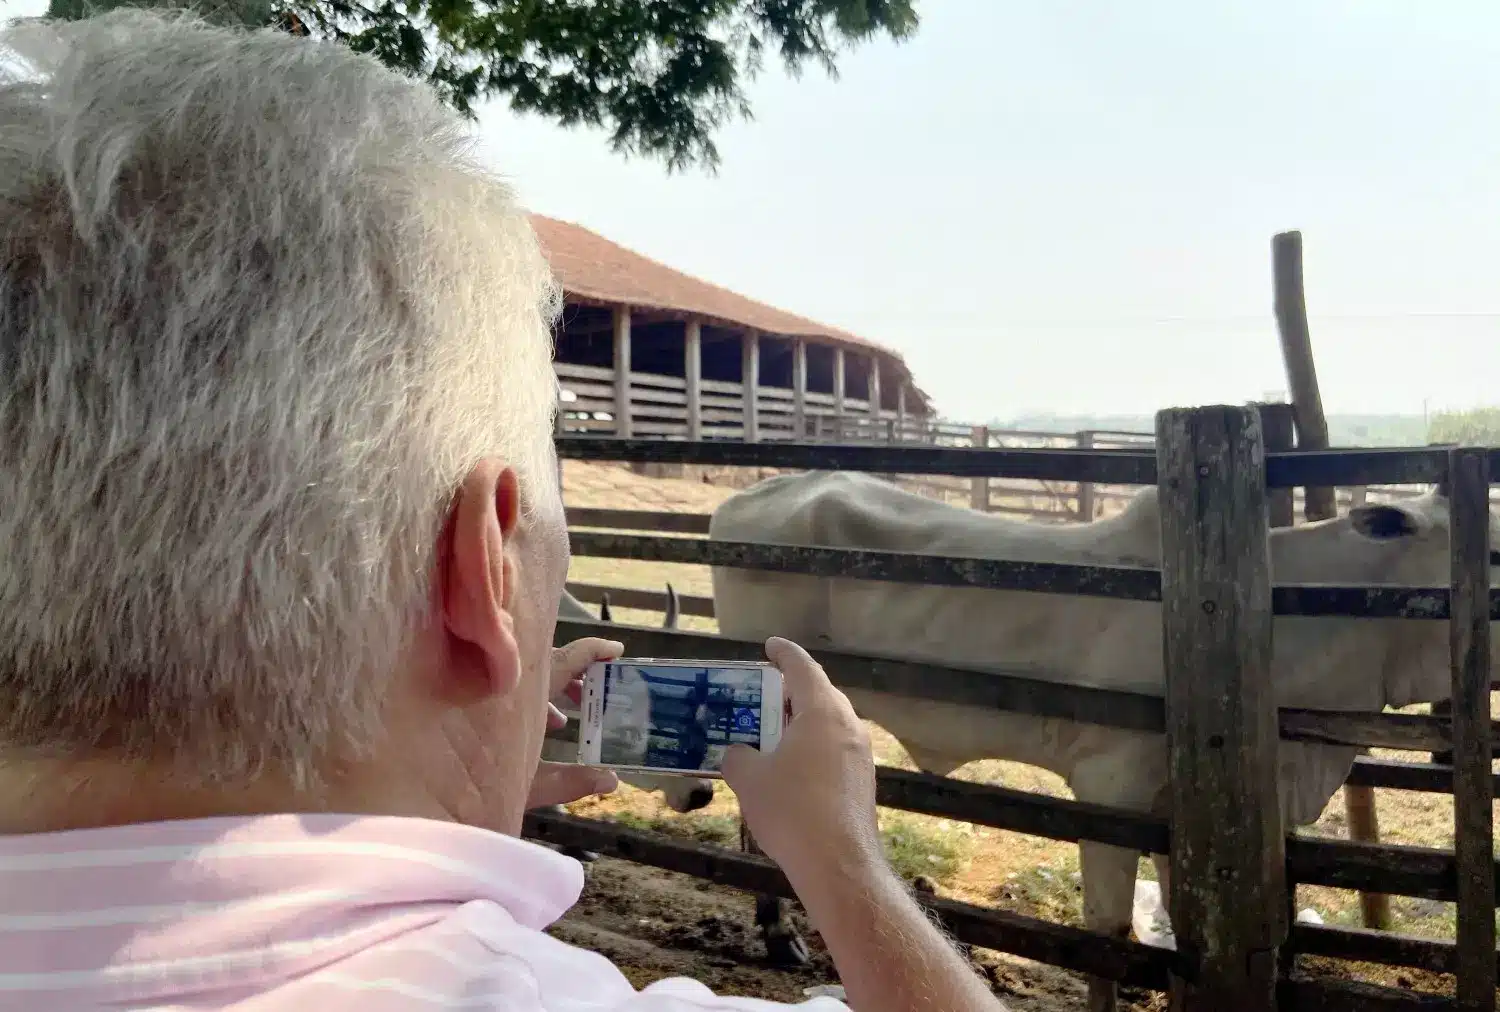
(1382, 523)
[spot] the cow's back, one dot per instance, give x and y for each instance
(967, 626)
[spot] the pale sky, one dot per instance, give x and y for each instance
(1068, 205)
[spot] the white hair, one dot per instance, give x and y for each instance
(259, 315)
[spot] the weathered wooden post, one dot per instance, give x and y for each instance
(750, 386)
(692, 371)
(1085, 441)
(876, 429)
(901, 411)
(1278, 431)
(1473, 811)
(1228, 856)
(622, 371)
(979, 488)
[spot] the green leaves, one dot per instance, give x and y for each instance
(660, 75)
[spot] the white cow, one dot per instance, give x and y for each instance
(682, 794)
(1325, 663)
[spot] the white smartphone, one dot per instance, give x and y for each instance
(645, 715)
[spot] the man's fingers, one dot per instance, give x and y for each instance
(561, 783)
(804, 679)
(573, 660)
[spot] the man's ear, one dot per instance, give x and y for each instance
(479, 585)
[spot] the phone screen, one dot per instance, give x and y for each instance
(678, 717)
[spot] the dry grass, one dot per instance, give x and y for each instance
(977, 864)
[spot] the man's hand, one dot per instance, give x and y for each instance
(811, 802)
(561, 783)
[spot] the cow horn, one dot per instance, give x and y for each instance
(604, 615)
(674, 609)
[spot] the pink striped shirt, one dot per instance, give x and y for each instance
(288, 913)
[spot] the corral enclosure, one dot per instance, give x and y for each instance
(706, 391)
(1307, 859)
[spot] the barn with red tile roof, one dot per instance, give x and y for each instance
(644, 349)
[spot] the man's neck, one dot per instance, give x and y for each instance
(43, 796)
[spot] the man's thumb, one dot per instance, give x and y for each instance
(739, 762)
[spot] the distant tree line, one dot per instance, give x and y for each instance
(1475, 427)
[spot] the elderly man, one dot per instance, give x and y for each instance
(281, 548)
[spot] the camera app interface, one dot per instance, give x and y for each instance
(679, 718)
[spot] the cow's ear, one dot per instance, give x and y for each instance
(1384, 522)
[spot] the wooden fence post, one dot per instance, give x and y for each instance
(1473, 813)
(1228, 853)
(693, 376)
(1085, 441)
(1278, 429)
(979, 488)
(622, 371)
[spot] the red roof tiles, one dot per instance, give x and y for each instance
(590, 268)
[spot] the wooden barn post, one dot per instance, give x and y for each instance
(839, 388)
(622, 372)
(979, 488)
(1228, 853)
(750, 386)
(901, 411)
(877, 430)
(1473, 811)
(692, 374)
(1320, 503)
(799, 389)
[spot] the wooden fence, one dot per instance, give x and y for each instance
(1230, 895)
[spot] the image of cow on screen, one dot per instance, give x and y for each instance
(678, 718)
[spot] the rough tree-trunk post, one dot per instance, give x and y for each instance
(622, 372)
(1473, 809)
(750, 385)
(1228, 854)
(1312, 434)
(693, 376)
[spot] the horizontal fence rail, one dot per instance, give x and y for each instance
(1287, 469)
(1422, 872)
(1128, 583)
(1019, 690)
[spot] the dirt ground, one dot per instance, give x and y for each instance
(659, 924)
(655, 924)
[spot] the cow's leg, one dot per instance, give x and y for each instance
(784, 947)
(1125, 778)
(1108, 896)
(576, 853)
